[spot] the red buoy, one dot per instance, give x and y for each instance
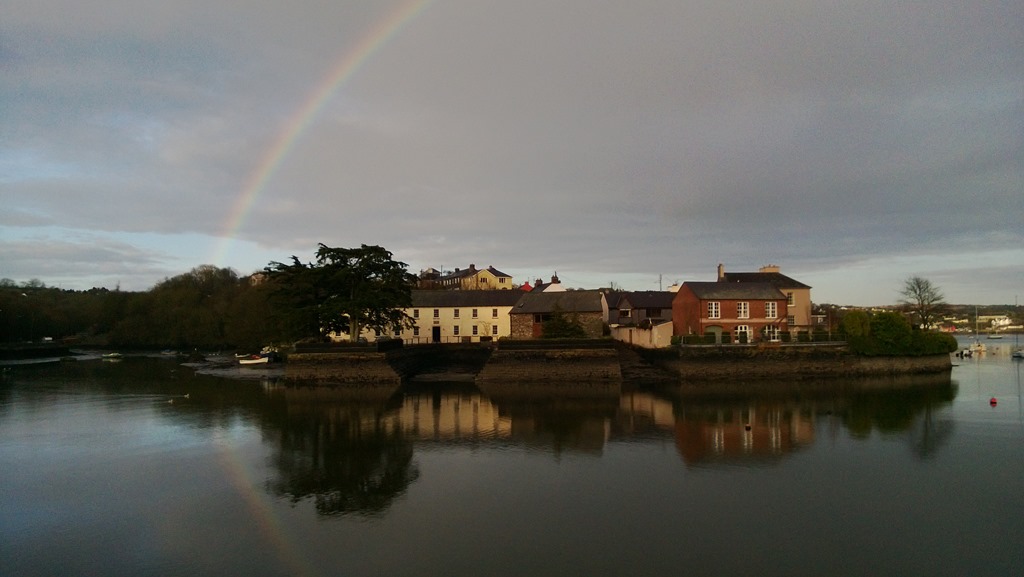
(993, 401)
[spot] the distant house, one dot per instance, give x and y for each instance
(798, 294)
(472, 278)
(587, 307)
(747, 311)
(542, 287)
(447, 316)
(633, 308)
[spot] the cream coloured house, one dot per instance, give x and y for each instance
(473, 278)
(454, 316)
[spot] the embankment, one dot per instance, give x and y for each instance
(555, 361)
(793, 362)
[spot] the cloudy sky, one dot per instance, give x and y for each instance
(852, 143)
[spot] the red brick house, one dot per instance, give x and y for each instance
(754, 310)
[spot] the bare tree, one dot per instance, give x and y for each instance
(923, 299)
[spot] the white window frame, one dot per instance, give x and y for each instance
(743, 310)
(742, 329)
(771, 310)
(714, 310)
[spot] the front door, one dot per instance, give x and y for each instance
(435, 335)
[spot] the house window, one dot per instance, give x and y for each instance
(494, 329)
(770, 310)
(501, 280)
(625, 313)
(743, 310)
(742, 331)
(483, 280)
(474, 313)
(791, 320)
(415, 331)
(789, 299)
(437, 313)
(415, 313)
(474, 330)
(397, 332)
(455, 330)
(456, 313)
(772, 333)
(714, 310)
(494, 313)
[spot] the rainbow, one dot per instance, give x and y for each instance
(347, 67)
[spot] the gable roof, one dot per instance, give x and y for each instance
(647, 299)
(464, 298)
(734, 290)
(587, 301)
(776, 279)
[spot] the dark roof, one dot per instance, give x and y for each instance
(734, 290)
(613, 297)
(568, 301)
(648, 299)
(471, 298)
(776, 279)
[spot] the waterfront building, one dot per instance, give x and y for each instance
(747, 311)
(586, 307)
(798, 294)
(456, 316)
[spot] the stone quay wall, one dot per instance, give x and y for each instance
(341, 368)
(797, 362)
(538, 361)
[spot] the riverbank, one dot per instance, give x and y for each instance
(597, 361)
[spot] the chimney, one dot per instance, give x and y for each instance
(769, 268)
(554, 279)
(721, 272)
(472, 267)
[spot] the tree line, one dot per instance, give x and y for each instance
(213, 308)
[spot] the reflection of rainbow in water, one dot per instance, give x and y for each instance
(263, 516)
(346, 68)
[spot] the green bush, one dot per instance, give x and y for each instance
(856, 324)
(890, 334)
(933, 343)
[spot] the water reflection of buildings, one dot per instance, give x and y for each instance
(701, 432)
(741, 432)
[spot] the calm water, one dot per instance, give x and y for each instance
(108, 469)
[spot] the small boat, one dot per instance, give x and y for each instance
(112, 356)
(993, 336)
(254, 360)
(1017, 354)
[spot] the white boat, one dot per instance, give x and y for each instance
(254, 360)
(112, 356)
